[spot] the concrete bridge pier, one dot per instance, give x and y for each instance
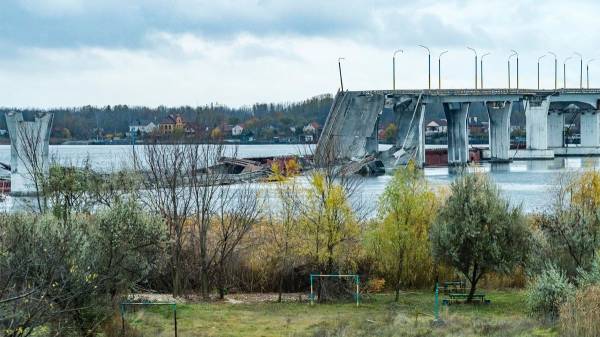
(499, 115)
(536, 119)
(590, 128)
(458, 140)
(556, 126)
(29, 147)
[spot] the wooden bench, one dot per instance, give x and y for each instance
(462, 297)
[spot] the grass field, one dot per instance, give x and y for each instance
(376, 316)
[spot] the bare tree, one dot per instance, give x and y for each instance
(238, 211)
(282, 231)
(205, 180)
(166, 170)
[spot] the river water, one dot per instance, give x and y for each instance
(527, 183)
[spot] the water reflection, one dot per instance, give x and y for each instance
(526, 183)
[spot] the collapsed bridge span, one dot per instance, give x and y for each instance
(350, 131)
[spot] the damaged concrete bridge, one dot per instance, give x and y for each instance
(350, 131)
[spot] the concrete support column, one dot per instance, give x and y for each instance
(29, 149)
(590, 128)
(499, 115)
(556, 126)
(536, 120)
(458, 140)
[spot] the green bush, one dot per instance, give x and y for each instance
(548, 292)
(65, 276)
(592, 276)
(478, 232)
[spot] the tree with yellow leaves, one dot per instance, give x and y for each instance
(399, 240)
(282, 224)
(572, 226)
(330, 226)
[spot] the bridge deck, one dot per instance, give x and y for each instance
(483, 92)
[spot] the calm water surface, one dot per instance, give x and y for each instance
(524, 182)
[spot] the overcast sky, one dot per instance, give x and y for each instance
(194, 52)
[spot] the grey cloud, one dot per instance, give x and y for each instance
(414, 28)
(126, 24)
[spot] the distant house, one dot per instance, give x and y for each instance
(437, 126)
(171, 123)
(142, 127)
(237, 130)
(311, 128)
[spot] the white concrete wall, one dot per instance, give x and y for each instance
(590, 129)
(556, 126)
(536, 119)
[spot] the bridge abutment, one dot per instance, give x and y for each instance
(499, 133)
(590, 128)
(458, 140)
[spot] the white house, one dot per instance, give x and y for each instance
(436, 126)
(237, 130)
(142, 127)
(311, 128)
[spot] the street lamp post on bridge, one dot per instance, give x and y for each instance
(440, 69)
(394, 67)
(555, 70)
(481, 69)
(509, 57)
(565, 71)
(474, 52)
(587, 71)
(538, 70)
(340, 68)
(580, 69)
(517, 54)
(428, 64)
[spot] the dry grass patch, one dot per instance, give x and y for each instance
(580, 316)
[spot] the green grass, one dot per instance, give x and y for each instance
(377, 316)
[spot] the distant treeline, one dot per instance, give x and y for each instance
(89, 121)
